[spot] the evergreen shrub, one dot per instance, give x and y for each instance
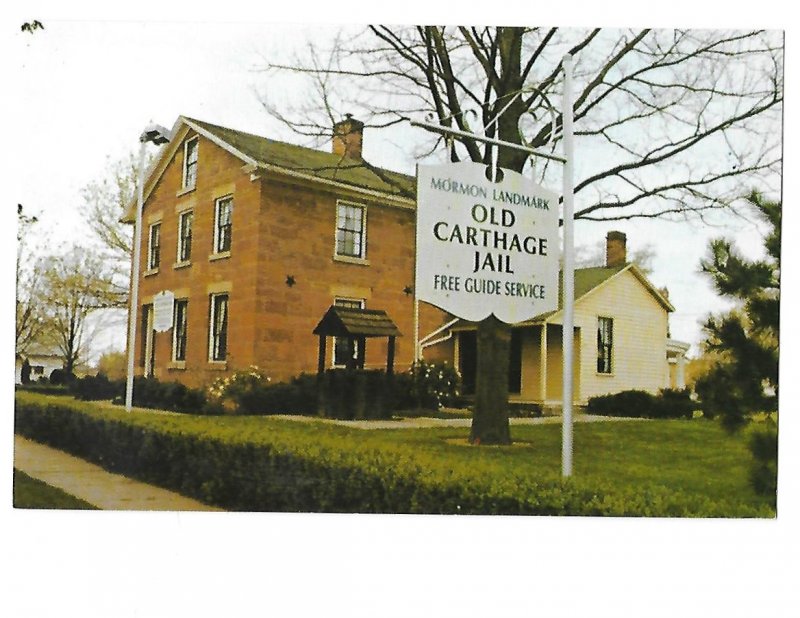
(669, 403)
(61, 376)
(763, 445)
(99, 387)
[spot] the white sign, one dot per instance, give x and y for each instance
(486, 247)
(163, 307)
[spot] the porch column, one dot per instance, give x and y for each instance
(321, 355)
(543, 363)
(390, 357)
(680, 374)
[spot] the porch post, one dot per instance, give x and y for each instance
(390, 357)
(680, 371)
(321, 356)
(543, 364)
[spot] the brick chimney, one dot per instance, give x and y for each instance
(615, 250)
(348, 136)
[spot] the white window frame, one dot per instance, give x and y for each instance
(181, 221)
(362, 304)
(185, 181)
(610, 345)
(212, 321)
(175, 331)
(217, 204)
(363, 246)
(154, 227)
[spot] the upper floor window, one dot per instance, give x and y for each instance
(222, 224)
(190, 163)
(605, 343)
(350, 230)
(179, 330)
(185, 236)
(154, 247)
(218, 329)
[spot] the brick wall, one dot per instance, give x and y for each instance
(279, 230)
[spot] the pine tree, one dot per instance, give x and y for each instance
(744, 380)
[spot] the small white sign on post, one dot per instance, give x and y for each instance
(163, 307)
(486, 247)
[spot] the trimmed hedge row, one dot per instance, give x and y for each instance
(311, 467)
(669, 403)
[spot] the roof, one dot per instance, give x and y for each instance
(589, 279)
(40, 350)
(355, 322)
(284, 158)
(316, 163)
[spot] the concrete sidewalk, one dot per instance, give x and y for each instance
(94, 485)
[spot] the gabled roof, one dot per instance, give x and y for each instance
(283, 158)
(316, 163)
(355, 322)
(589, 279)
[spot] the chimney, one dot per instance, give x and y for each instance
(348, 135)
(615, 250)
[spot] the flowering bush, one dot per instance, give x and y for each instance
(239, 391)
(429, 385)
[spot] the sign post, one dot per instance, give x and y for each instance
(473, 221)
(569, 274)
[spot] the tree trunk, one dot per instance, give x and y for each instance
(490, 419)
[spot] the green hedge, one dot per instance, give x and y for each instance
(284, 466)
(669, 403)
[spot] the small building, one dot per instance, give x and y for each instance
(257, 238)
(42, 360)
(621, 339)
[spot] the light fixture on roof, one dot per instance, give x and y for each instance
(154, 133)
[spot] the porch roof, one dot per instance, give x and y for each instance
(355, 322)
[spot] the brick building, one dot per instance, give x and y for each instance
(256, 239)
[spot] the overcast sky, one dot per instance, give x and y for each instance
(79, 93)
(86, 88)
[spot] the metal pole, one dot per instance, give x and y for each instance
(569, 272)
(437, 128)
(137, 250)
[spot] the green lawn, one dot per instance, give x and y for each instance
(30, 493)
(626, 462)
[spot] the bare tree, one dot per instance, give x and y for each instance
(104, 203)
(668, 122)
(30, 316)
(74, 286)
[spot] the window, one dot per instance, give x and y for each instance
(154, 247)
(179, 330)
(222, 225)
(341, 345)
(350, 220)
(185, 236)
(218, 331)
(605, 338)
(190, 163)
(147, 352)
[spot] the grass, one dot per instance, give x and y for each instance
(30, 493)
(692, 457)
